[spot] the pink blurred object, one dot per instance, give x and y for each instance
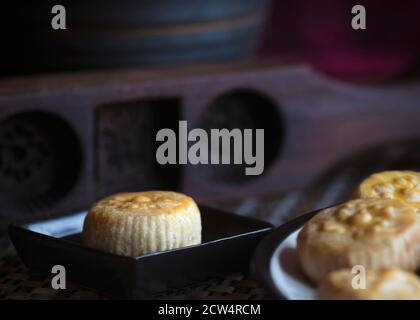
(320, 33)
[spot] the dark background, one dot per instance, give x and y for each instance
(128, 33)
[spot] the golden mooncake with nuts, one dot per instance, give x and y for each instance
(383, 284)
(399, 185)
(136, 223)
(374, 233)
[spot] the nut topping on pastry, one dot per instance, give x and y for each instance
(361, 218)
(400, 185)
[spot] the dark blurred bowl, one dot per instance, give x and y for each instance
(128, 33)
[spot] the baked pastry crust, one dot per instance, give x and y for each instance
(374, 233)
(136, 223)
(399, 185)
(384, 284)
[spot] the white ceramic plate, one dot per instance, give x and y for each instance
(275, 262)
(286, 274)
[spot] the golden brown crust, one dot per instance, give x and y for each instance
(144, 203)
(398, 185)
(136, 223)
(383, 284)
(374, 233)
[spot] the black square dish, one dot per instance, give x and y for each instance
(227, 246)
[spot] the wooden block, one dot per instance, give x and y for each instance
(310, 121)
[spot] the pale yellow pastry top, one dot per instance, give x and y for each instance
(386, 283)
(144, 203)
(400, 185)
(367, 217)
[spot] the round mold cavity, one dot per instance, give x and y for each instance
(40, 161)
(242, 109)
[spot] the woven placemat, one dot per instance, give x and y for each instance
(17, 282)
